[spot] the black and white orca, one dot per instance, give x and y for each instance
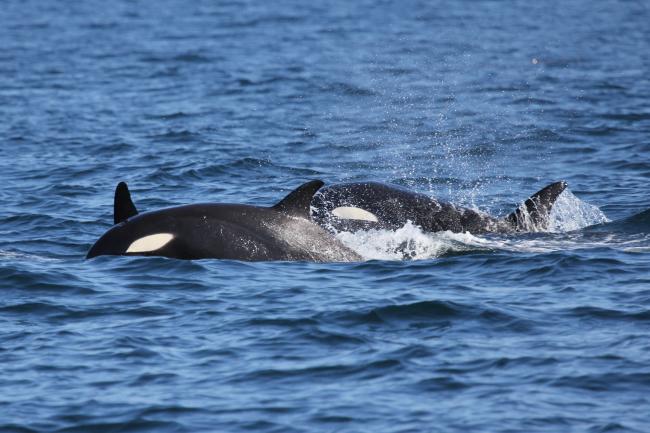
(223, 231)
(372, 205)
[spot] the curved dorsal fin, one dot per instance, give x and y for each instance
(123, 207)
(298, 201)
(533, 214)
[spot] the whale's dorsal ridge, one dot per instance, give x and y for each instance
(123, 207)
(534, 213)
(298, 201)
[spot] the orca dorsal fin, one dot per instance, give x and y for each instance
(298, 202)
(532, 215)
(123, 207)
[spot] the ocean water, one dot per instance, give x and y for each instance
(478, 103)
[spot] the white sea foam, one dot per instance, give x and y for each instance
(14, 255)
(409, 243)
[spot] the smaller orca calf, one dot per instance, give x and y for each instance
(222, 231)
(373, 205)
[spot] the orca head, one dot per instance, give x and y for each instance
(132, 234)
(138, 237)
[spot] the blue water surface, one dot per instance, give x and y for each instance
(480, 103)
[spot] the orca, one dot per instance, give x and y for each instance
(222, 231)
(371, 205)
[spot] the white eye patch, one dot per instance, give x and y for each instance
(150, 243)
(354, 213)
